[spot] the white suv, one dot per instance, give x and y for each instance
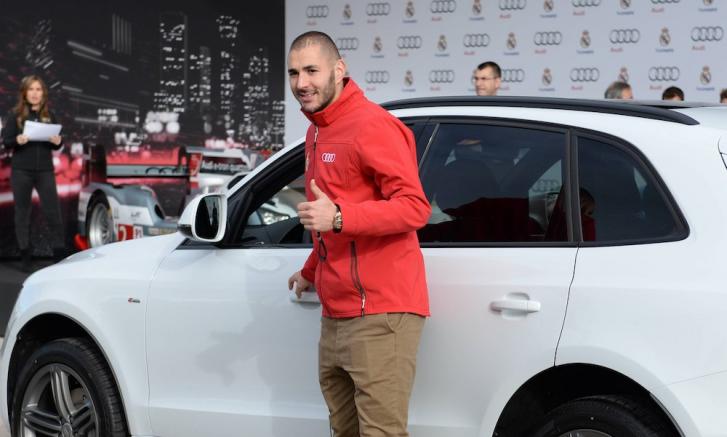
(576, 267)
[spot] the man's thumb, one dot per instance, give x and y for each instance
(316, 191)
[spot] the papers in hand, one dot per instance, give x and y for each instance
(40, 131)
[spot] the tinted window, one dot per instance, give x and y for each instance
(494, 184)
(619, 198)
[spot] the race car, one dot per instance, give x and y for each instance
(136, 196)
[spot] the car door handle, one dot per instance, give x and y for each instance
(515, 305)
(305, 297)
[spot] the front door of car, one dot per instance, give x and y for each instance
(499, 260)
(229, 353)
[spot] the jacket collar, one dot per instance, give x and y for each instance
(350, 95)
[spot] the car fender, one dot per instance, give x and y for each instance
(109, 302)
(630, 368)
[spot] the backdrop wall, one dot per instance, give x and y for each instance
(564, 48)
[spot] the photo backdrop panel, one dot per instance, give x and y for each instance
(562, 48)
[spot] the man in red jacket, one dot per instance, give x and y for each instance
(365, 203)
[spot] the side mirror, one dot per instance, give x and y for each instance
(205, 218)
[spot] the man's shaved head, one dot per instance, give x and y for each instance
(328, 47)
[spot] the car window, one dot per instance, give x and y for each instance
(274, 217)
(620, 199)
(490, 183)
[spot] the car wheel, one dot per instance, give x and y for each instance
(66, 389)
(100, 224)
(602, 416)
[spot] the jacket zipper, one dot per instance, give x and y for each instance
(357, 279)
(318, 234)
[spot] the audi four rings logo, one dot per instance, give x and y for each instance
(476, 40)
(707, 33)
(441, 76)
(587, 74)
(442, 6)
(409, 42)
(377, 9)
(664, 74)
(547, 38)
(377, 76)
(585, 3)
(328, 157)
(316, 11)
(512, 5)
(624, 36)
(513, 75)
(345, 44)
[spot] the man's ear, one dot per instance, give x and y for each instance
(340, 70)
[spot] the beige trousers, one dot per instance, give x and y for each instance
(366, 371)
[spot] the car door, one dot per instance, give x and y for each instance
(499, 262)
(229, 352)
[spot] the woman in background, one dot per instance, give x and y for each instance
(32, 167)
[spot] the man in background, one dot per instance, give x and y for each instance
(673, 93)
(487, 79)
(619, 90)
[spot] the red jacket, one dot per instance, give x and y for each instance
(364, 159)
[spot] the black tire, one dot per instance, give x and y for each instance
(88, 376)
(614, 416)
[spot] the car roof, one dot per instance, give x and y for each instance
(687, 113)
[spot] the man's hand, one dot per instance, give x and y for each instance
(21, 139)
(317, 215)
(55, 139)
(301, 284)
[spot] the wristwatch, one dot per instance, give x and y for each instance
(338, 220)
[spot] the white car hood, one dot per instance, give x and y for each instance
(128, 260)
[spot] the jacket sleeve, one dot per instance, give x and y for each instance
(10, 132)
(387, 154)
(54, 120)
(309, 268)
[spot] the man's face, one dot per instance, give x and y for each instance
(34, 94)
(627, 94)
(675, 98)
(315, 78)
(486, 82)
(724, 100)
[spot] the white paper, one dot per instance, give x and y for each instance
(40, 131)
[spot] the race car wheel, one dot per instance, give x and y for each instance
(603, 416)
(66, 389)
(100, 224)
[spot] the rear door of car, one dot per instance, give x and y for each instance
(500, 256)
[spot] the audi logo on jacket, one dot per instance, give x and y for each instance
(374, 265)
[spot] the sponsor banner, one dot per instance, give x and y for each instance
(563, 48)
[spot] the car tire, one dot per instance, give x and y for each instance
(66, 388)
(99, 222)
(602, 416)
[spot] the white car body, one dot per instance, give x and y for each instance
(210, 341)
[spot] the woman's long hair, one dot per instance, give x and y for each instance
(22, 109)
